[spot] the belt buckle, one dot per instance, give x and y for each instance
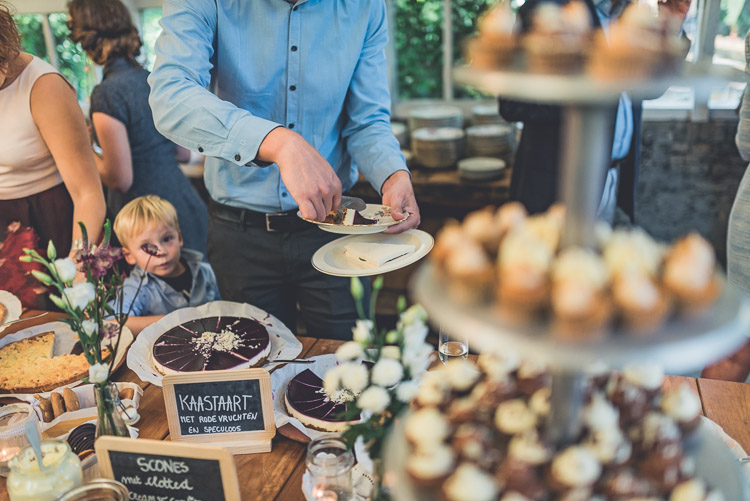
(269, 218)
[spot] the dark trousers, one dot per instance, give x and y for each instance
(272, 270)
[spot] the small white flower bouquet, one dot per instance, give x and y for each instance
(380, 370)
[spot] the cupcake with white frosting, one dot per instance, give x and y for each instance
(540, 402)
(460, 375)
(600, 414)
(575, 468)
(579, 296)
(624, 483)
(695, 490)
(434, 390)
(609, 445)
(649, 377)
(689, 273)
(559, 38)
(495, 45)
(449, 238)
(426, 428)
(684, 407)
(431, 468)
(514, 417)
(469, 483)
(520, 470)
(499, 364)
(523, 274)
(480, 227)
(475, 444)
(509, 216)
(532, 376)
(471, 272)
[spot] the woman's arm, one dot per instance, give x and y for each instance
(115, 166)
(56, 113)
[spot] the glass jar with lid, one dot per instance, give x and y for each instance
(330, 464)
(61, 472)
(101, 489)
(13, 419)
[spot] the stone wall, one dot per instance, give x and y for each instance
(688, 179)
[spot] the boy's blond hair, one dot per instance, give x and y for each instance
(142, 213)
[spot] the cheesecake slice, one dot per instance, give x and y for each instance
(306, 400)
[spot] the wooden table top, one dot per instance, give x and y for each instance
(281, 470)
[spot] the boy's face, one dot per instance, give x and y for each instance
(166, 240)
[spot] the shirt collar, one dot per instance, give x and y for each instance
(611, 8)
(116, 65)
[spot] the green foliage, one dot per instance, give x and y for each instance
(418, 36)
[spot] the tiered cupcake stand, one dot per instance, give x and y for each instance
(682, 345)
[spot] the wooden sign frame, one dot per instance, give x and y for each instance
(229, 482)
(245, 442)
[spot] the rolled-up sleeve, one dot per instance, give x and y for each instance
(368, 134)
(184, 110)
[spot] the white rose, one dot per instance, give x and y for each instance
(349, 351)
(391, 352)
(90, 327)
(332, 380)
(418, 358)
(354, 377)
(66, 269)
(374, 399)
(407, 391)
(80, 294)
(387, 372)
(362, 331)
(415, 313)
(415, 333)
(98, 373)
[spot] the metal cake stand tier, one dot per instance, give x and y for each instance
(713, 460)
(684, 344)
(582, 89)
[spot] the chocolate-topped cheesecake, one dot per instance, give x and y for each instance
(210, 344)
(307, 401)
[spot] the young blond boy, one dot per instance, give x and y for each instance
(149, 232)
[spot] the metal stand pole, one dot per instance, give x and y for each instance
(587, 147)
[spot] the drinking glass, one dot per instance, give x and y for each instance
(450, 347)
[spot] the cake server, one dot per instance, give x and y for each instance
(352, 203)
(2, 326)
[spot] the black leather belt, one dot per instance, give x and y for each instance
(275, 222)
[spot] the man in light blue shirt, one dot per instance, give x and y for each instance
(298, 106)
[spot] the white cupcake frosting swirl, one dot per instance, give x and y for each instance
(633, 251)
(528, 449)
(539, 401)
(497, 365)
(681, 404)
(520, 249)
(514, 416)
(427, 426)
(648, 376)
(461, 374)
(600, 414)
(576, 466)
(658, 427)
(469, 483)
(580, 266)
(609, 445)
(691, 263)
(433, 464)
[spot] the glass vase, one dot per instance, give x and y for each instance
(109, 421)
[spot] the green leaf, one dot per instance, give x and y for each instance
(84, 235)
(107, 232)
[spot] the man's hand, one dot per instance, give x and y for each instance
(311, 181)
(399, 196)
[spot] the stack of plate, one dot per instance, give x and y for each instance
(491, 141)
(399, 130)
(432, 117)
(481, 168)
(486, 114)
(437, 148)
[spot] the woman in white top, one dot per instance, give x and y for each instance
(48, 178)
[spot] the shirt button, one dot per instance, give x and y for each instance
(291, 126)
(295, 8)
(200, 149)
(237, 157)
(294, 48)
(284, 194)
(292, 87)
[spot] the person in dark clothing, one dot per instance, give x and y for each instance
(536, 168)
(136, 160)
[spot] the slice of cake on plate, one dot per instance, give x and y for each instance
(373, 255)
(307, 401)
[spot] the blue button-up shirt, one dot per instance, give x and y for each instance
(624, 123)
(157, 297)
(317, 66)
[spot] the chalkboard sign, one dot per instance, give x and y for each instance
(156, 470)
(232, 408)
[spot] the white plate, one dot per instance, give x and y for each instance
(483, 165)
(13, 305)
(65, 339)
(331, 260)
(284, 344)
(381, 213)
